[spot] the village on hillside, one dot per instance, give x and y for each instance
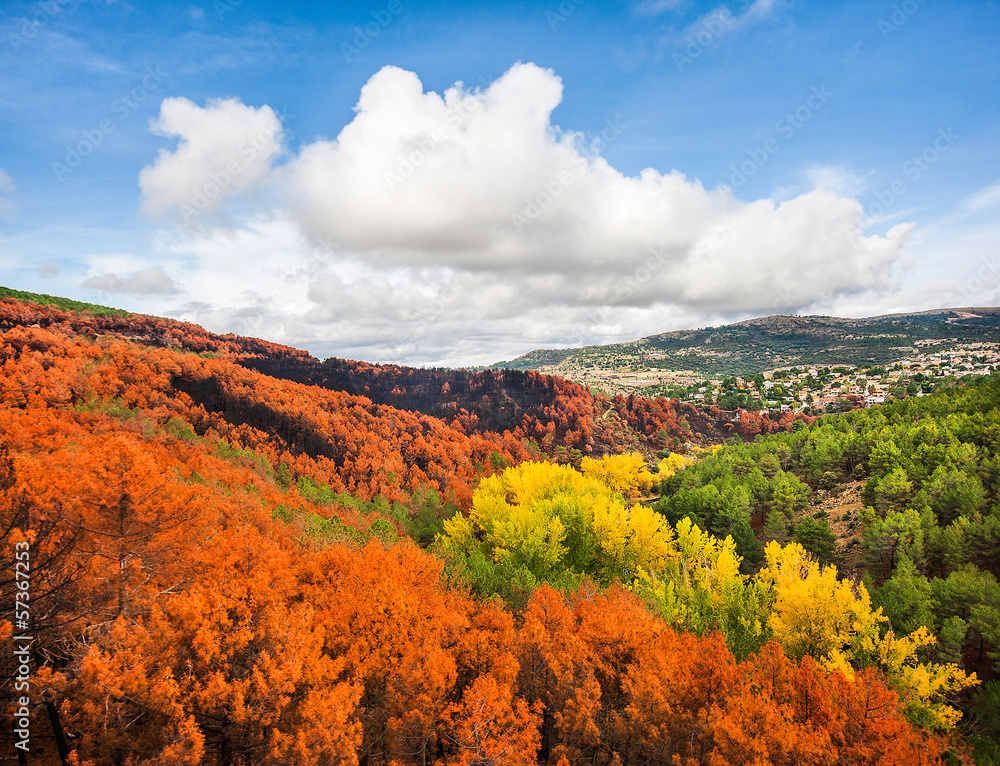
(807, 389)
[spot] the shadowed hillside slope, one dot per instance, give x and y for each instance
(564, 419)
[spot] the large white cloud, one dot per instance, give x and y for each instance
(437, 225)
(481, 181)
(415, 174)
(225, 148)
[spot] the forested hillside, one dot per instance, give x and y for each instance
(748, 347)
(927, 541)
(564, 419)
(230, 567)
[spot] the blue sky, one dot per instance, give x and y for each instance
(602, 172)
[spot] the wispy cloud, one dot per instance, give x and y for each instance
(710, 29)
(984, 199)
(7, 207)
(146, 282)
(838, 179)
(655, 7)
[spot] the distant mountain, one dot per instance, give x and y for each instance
(751, 346)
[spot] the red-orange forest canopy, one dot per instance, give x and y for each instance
(186, 611)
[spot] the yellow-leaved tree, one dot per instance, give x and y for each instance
(673, 463)
(815, 614)
(624, 474)
(702, 590)
(923, 687)
(557, 524)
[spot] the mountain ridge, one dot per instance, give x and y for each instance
(761, 343)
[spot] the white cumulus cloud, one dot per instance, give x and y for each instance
(225, 148)
(464, 226)
(481, 181)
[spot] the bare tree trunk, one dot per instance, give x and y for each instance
(57, 729)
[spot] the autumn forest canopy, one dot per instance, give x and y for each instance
(244, 555)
